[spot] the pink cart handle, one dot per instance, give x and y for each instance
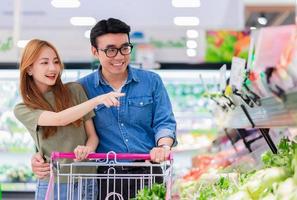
(119, 156)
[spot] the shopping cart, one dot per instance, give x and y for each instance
(111, 178)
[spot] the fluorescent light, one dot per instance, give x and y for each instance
(22, 43)
(87, 33)
(253, 28)
(82, 21)
(262, 20)
(186, 21)
(65, 3)
(191, 52)
(186, 3)
(192, 44)
(192, 34)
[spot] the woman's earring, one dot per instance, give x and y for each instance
(30, 73)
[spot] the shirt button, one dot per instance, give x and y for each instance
(126, 140)
(141, 103)
(122, 124)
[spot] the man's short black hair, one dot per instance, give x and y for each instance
(110, 25)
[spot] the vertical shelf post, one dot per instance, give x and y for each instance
(265, 134)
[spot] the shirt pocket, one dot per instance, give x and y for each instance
(141, 110)
(103, 116)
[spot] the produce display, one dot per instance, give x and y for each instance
(14, 140)
(187, 97)
(223, 45)
(11, 173)
(277, 179)
(20, 174)
(13, 135)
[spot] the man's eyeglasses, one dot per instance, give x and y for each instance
(113, 52)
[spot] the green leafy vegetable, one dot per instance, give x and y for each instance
(157, 192)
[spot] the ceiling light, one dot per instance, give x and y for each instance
(22, 43)
(192, 34)
(186, 21)
(191, 52)
(262, 20)
(87, 33)
(186, 3)
(253, 28)
(82, 21)
(65, 3)
(192, 44)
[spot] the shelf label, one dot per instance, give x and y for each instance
(237, 70)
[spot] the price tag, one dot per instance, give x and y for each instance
(237, 72)
(223, 77)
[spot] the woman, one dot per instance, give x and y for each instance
(58, 116)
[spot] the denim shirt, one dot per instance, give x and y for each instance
(143, 117)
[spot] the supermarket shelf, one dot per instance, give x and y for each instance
(273, 112)
(15, 195)
(18, 187)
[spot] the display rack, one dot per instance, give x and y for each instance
(273, 112)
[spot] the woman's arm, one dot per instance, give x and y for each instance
(81, 152)
(65, 117)
(93, 139)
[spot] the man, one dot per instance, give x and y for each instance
(144, 121)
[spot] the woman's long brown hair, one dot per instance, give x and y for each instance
(31, 95)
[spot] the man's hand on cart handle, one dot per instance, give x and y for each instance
(160, 153)
(39, 167)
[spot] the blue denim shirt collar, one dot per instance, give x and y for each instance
(132, 76)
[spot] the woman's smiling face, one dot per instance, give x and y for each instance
(46, 69)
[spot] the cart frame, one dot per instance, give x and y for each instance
(76, 182)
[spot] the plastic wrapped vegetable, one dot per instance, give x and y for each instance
(264, 179)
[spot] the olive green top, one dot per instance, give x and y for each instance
(66, 139)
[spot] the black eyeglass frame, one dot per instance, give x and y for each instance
(118, 50)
